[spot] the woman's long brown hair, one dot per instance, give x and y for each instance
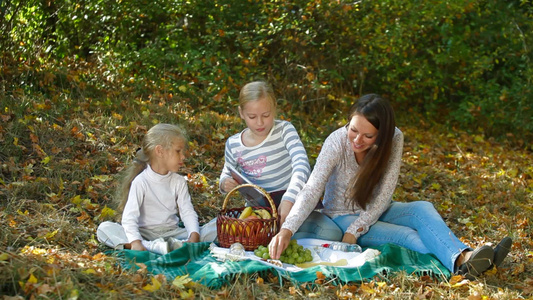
(380, 114)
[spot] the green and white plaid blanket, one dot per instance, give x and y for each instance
(196, 260)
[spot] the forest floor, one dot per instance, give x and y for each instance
(61, 161)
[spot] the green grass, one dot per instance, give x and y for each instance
(61, 160)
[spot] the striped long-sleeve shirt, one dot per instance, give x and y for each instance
(278, 163)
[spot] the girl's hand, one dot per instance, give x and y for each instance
(194, 238)
(283, 210)
(137, 245)
(349, 238)
(279, 243)
(229, 184)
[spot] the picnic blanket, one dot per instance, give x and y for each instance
(195, 259)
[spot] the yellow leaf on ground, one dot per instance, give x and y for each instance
(455, 279)
(4, 257)
(50, 235)
(45, 160)
(32, 279)
(181, 281)
(187, 295)
(366, 288)
(107, 213)
(154, 286)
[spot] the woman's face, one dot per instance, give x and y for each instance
(361, 134)
(259, 116)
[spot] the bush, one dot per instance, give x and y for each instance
(466, 63)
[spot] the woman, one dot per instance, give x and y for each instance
(357, 170)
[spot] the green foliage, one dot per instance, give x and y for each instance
(464, 63)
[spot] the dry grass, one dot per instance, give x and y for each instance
(59, 167)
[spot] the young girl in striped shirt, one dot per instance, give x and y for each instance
(270, 154)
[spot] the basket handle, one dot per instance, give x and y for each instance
(272, 205)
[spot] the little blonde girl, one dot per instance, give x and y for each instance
(153, 195)
(270, 154)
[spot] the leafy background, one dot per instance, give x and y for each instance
(81, 82)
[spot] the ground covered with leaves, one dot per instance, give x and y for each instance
(61, 161)
(81, 84)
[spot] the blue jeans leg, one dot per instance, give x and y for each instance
(319, 226)
(414, 225)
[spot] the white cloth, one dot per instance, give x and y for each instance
(154, 201)
(332, 175)
(352, 259)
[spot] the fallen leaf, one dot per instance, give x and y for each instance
(4, 256)
(89, 271)
(366, 288)
(187, 294)
(292, 290)
(154, 286)
(32, 279)
(180, 281)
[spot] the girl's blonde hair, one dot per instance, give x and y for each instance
(160, 134)
(256, 90)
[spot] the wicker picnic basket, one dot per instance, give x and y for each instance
(251, 233)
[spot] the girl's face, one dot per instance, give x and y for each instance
(174, 156)
(361, 134)
(259, 116)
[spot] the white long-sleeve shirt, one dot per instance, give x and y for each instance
(332, 175)
(278, 163)
(155, 200)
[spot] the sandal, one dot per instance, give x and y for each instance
(480, 261)
(501, 250)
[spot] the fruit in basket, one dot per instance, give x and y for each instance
(250, 217)
(230, 230)
(246, 212)
(263, 213)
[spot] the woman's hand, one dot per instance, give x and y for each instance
(137, 245)
(229, 184)
(194, 238)
(349, 238)
(279, 243)
(283, 210)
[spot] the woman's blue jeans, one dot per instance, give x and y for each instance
(319, 226)
(414, 225)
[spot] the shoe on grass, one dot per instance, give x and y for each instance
(480, 261)
(501, 250)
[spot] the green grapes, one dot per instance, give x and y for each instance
(293, 254)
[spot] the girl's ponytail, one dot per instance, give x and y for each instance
(139, 164)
